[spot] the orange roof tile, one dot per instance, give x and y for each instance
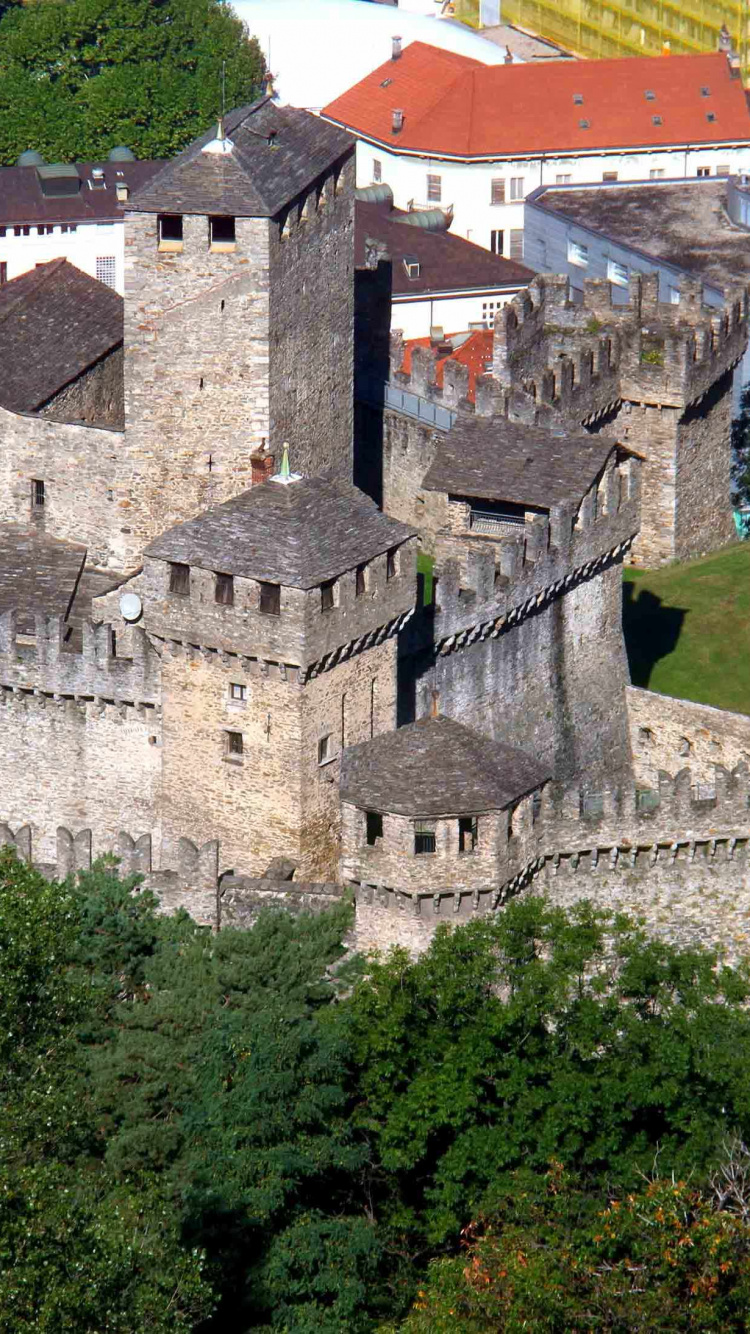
(456, 107)
(475, 352)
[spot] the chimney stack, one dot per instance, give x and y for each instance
(508, 57)
(725, 40)
(123, 192)
(396, 48)
(398, 121)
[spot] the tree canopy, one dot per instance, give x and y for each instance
(251, 1131)
(79, 78)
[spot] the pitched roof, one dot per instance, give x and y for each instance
(437, 767)
(298, 534)
(276, 152)
(474, 352)
(457, 107)
(22, 199)
(446, 262)
(497, 459)
(55, 322)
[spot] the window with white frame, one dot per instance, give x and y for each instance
(516, 187)
(497, 190)
(377, 170)
(434, 189)
(578, 254)
(656, 173)
(617, 273)
(704, 171)
(563, 178)
(105, 269)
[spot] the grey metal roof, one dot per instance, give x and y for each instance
(55, 322)
(298, 534)
(437, 767)
(526, 465)
(277, 152)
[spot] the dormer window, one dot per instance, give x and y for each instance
(97, 180)
(270, 599)
(170, 232)
(411, 265)
(222, 234)
(179, 579)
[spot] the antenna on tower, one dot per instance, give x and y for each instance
(223, 89)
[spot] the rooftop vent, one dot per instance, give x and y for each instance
(97, 180)
(219, 145)
(396, 48)
(397, 122)
(411, 264)
(650, 95)
(584, 124)
(578, 99)
(705, 92)
(123, 192)
(711, 115)
(386, 83)
(30, 158)
(122, 154)
(58, 180)
(656, 120)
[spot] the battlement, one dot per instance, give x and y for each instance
(486, 586)
(44, 663)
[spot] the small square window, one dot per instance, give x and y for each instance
(325, 749)
(563, 178)
(37, 493)
(424, 838)
(656, 173)
(237, 692)
(222, 232)
(360, 587)
(374, 825)
(170, 231)
(270, 599)
(704, 171)
(434, 189)
(516, 187)
(327, 595)
(224, 590)
(391, 569)
(179, 579)
(609, 175)
(467, 833)
(234, 745)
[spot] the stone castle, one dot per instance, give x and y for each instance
(217, 655)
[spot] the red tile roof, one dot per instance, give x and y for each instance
(457, 107)
(475, 352)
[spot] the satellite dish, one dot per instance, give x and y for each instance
(130, 606)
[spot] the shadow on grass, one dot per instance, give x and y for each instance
(651, 630)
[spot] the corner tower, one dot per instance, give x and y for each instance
(239, 311)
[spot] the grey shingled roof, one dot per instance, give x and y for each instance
(55, 322)
(526, 465)
(22, 200)
(437, 767)
(298, 534)
(277, 152)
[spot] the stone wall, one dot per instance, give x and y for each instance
(666, 733)
(95, 397)
(703, 519)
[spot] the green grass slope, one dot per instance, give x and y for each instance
(687, 629)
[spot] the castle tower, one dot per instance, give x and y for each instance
(276, 616)
(238, 314)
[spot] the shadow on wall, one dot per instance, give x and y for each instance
(651, 630)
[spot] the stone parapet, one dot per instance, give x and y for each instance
(42, 663)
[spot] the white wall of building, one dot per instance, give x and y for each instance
(451, 314)
(467, 186)
(82, 243)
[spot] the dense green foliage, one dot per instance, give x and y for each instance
(687, 628)
(244, 1132)
(77, 79)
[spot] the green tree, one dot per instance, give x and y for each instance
(81, 77)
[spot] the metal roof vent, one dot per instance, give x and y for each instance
(584, 124)
(711, 115)
(396, 48)
(650, 95)
(122, 154)
(656, 120)
(30, 158)
(58, 180)
(397, 124)
(705, 91)
(97, 180)
(220, 145)
(578, 99)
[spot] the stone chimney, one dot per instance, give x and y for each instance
(397, 121)
(396, 48)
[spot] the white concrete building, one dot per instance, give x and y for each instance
(446, 131)
(71, 212)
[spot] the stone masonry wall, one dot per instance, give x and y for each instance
(667, 733)
(703, 518)
(96, 397)
(311, 329)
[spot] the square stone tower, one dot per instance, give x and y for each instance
(239, 261)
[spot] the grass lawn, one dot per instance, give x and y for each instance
(687, 629)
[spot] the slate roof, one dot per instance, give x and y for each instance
(455, 106)
(526, 465)
(21, 198)
(437, 767)
(277, 152)
(55, 322)
(298, 534)
(446, 262)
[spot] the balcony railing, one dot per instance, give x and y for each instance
(495, 525)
